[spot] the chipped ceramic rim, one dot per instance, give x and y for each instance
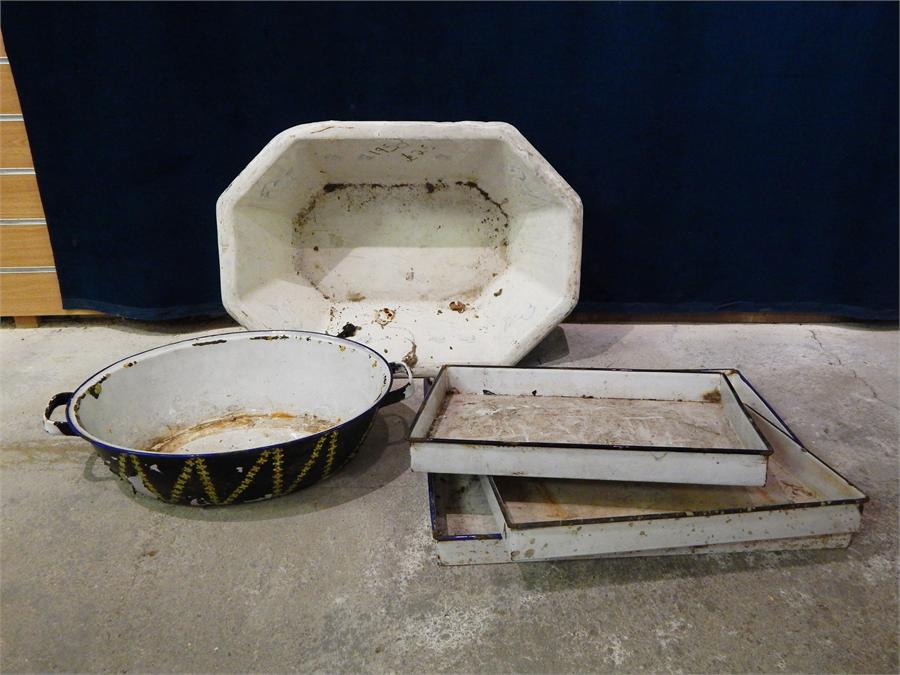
(82, 390)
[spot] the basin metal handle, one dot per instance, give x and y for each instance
(403, 392)
(53, 427)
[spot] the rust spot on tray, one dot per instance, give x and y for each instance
(498, 292)
(355, 296)
(271, 337)
(458, 306)
(554, 509)
(713, 396)
(798, 491)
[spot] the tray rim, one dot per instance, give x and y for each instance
(492, 556)
(432, 512)
(594, 446)
(859, 501)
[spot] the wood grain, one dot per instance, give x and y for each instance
(33, 295)
(19, 197)
(25, 246)
(9, 101)
(15, 153)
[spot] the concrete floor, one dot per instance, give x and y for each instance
(342, 576)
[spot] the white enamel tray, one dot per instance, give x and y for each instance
(595, 424)
(804, 505)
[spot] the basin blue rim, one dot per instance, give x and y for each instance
(70, 418)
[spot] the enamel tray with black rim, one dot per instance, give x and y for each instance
(805, 504)
(661, 426)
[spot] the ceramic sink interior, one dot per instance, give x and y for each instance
(805, 504)
(599, 424)
(429, 242)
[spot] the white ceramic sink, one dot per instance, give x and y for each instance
(432, 242)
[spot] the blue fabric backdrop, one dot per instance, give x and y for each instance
(730, 156)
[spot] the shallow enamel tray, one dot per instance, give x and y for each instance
(805, 505)
(466, 533)
(595, 424)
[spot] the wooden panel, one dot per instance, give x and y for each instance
(15, 152)
(9, 101)
(29, 294)
(25, 246)
(19, 197)
(32, 295)
(2, 46)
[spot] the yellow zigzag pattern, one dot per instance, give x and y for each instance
(311, 461)
(251, 474)
(199, 464)
(181, 481)
(143, 476)
(330, 461)
(277, 468)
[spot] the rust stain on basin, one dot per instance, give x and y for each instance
(283, 426)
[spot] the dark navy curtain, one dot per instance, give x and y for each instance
(730, 156)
